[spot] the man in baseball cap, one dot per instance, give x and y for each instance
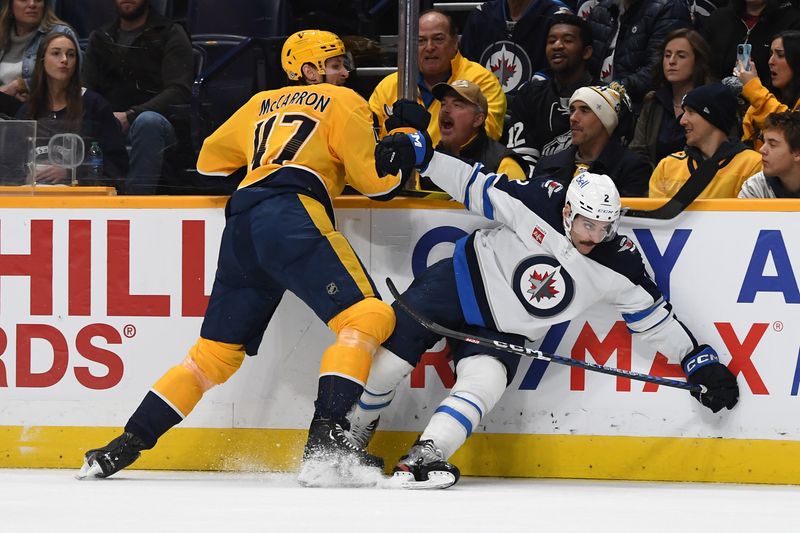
(461, 122)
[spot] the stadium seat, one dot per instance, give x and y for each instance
(249, 18)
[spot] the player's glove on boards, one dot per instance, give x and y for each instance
(408, 114)
(402, 151)
(702, 367)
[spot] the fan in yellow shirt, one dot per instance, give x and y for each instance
(709, 114)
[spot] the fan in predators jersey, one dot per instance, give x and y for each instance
(300, 144)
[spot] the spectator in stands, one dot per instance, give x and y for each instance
(709, 115)
(508, 38)
(684, 66)
(627, 36)
(755, 22)
(142, 64)
(700, 10)
(23, 24)
(540, 111)
(780, 158)
(784, 62)
(461, 123)
(440, 61)
(595, 114)
(60, 105)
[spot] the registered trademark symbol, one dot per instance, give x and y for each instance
(777, 325)
(129, 331)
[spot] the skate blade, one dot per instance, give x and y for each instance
(405, 480)
(89, 471)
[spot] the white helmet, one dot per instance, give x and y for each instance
(596, 197)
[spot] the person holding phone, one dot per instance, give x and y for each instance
(755, 22)
(784, 67)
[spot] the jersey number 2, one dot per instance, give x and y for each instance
(291, 146)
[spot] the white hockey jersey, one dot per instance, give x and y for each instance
(525, 275)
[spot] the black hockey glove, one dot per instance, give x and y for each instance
(702, 367)
(402, 151)
(408, 114)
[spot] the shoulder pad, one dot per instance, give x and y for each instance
(621, 255)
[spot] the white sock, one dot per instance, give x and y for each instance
(480, 384)
(385, 374)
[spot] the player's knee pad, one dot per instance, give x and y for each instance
(359, 329)
(482, 379)
(180, 388)
(213, 362)
(350, 356)
(370, 316)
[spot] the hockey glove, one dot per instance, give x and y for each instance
(402, 151)
(408, 114)
(702, 367)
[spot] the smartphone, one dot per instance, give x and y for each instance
(743, 54)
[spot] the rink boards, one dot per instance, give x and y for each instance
(99, 296)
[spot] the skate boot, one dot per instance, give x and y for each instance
(362, 435)
(331, 460)
(424, 467)
(111, 458)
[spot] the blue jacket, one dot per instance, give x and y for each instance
(513, 52)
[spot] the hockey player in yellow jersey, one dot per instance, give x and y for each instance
(300, 145)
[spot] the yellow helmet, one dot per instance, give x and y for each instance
(309, 46)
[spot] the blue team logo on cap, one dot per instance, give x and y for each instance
(509, 62)
(543, 286)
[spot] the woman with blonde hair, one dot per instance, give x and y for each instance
(23, 24)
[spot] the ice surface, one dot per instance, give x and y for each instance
(198, 502)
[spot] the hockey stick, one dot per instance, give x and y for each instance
(536, 354)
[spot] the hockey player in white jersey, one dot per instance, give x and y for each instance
(555, 254)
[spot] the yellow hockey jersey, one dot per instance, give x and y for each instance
(674, 170)
(325, 129)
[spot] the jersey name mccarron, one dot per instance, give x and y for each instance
(308, 98)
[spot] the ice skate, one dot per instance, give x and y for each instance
(361, 435)
(424, 467)
(331, 460)
(111, 458)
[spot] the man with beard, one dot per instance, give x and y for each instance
(508, 37)
(597, 116)
(142, 64)
(540, 111)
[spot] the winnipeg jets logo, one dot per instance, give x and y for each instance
(509, 62)
(543, 286)
(607, 69)
(626, 245)
(552, 186)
